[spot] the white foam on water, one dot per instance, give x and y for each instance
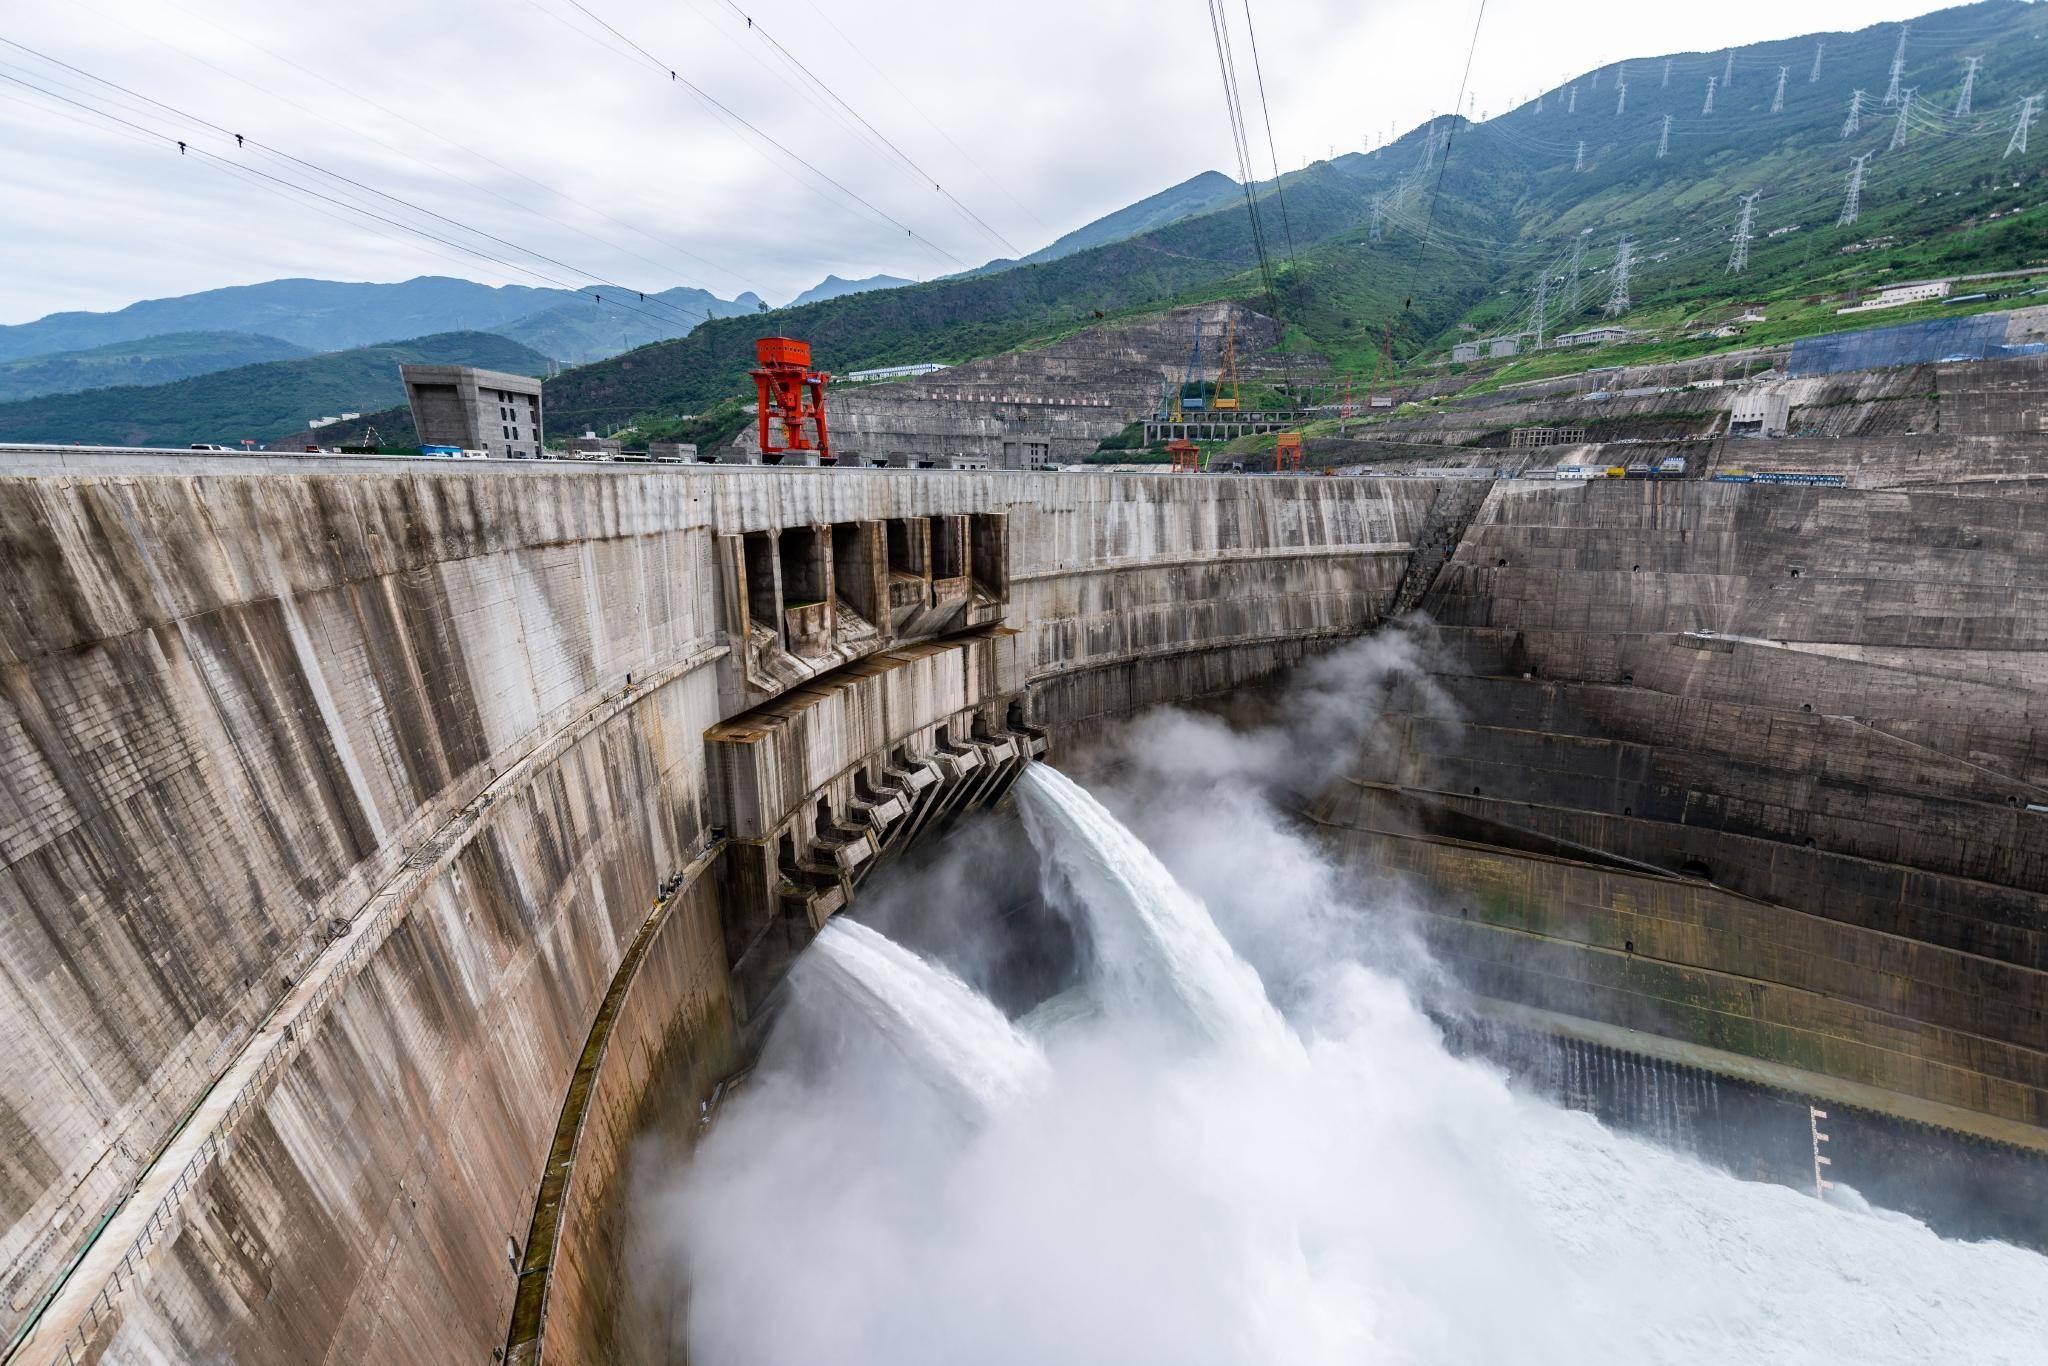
(1368, 1198)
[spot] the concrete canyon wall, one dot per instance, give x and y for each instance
(334, 796)
(1758, 769)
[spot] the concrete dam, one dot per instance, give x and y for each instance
(390, 848)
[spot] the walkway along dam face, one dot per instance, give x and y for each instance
(384, 842)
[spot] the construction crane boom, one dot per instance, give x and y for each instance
(1226, 372)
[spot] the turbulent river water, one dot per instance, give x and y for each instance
(1171, 1168)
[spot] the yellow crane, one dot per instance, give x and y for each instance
(1226, 373)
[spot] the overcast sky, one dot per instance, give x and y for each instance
(1035, 116)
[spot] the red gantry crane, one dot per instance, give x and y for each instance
(791, 395)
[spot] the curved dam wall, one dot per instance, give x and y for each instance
(1758, 769)
(337, 792)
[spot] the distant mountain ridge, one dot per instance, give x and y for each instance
(1197, 195)
(832, 287)
(580, 328)
(572, 326)
(254, 402)
(319, 315)
(152, 360)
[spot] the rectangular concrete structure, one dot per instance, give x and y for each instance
(478, 410)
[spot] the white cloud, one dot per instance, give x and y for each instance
(1069, 110)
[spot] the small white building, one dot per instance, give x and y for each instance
(1465, 352)
(1593, 336)
(1502, 347)
(1898, 296)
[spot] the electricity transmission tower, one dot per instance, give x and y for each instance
(1778, 100)
(1738, 260)
(1579, 161)
(1899, 124)
(1969, 85)
(1571, 292)
(2028, 107)
(1667, 73)
(1814, 75)
(1536, 313)
(1728, 71)
(1624, 257)
(1853, 125)
(1379, 215)
(1620, 95)
(1891, 93)
(1572, 101)
(1708, 107)
(1664, 138)
(1854, 200)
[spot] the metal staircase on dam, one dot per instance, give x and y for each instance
(1451, 511)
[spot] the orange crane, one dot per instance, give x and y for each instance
(1287, 452)
(1187, 457)
(792, 395)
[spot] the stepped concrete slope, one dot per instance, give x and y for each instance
(382, 843)
(1761, 770)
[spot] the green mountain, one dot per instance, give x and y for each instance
(155, 360)
(253, 402)
(1200, 194)
(1464, 222)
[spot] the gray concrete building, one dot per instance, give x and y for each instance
(478, 410)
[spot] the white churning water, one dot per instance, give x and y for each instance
(1330, 1188)
(953, 1039)
(1156, 947)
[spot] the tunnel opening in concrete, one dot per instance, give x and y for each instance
(949, 547)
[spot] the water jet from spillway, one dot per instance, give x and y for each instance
(1155, 946)
(1374, 1198)
(951, 1038)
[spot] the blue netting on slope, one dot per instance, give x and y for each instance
(1981, 337)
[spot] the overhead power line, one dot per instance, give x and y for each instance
(523, 206)
(758, 30)
(1464, 80)
(633, 50)
(1258, 73)
(578, 279)
(1219, 27)
(936, 127)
